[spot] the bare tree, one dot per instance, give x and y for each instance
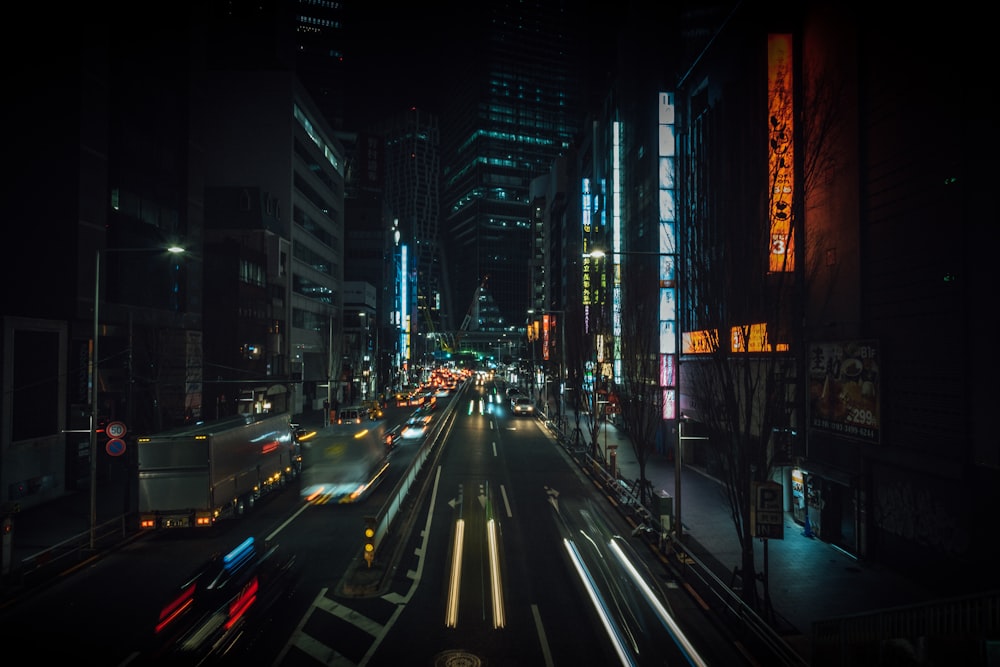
(746, 312)
(641, 398)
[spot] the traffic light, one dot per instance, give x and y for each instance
(369, 539)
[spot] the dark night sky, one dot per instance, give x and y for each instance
(398, 54)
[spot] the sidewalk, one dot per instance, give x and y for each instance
(808, 579)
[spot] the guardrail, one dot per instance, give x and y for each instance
(400, 497)
(960, 630)
(42, 566)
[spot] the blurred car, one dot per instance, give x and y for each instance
(415, 427)
(374, 410)
(226, 599)
(392, 437)
(301, 433)
(522, 406)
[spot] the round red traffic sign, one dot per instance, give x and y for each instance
(115, 447)
(115, 429)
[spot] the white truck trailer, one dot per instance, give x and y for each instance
(195, 475)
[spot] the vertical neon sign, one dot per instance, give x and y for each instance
(616, 248)
(781, 158)
(585, 220)
(404, 306)
(668, 310)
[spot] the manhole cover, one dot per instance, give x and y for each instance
(457, 658)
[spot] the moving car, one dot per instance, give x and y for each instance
(522, 406)
(225, 600)
(415, 427)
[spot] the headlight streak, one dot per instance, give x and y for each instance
(624, 629)
(598, 603)
(499, 616)
(455, 578)
(690, 652)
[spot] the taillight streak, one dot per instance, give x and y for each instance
(179, 605)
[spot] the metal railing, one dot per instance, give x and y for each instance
(42, 566)
(723, 599)
(958, 629)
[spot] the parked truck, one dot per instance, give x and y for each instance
(200, 473)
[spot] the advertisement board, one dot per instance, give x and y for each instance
(844, 388)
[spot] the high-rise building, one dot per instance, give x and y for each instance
(321, 50)
(517, 103)
(412, 166)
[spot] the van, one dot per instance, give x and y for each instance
(352, 415)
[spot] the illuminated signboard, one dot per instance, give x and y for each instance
(668, 247)
(404, 305)
(616, 248)
(844, 391)
(781, 157)
(587, 262)
(546, 323)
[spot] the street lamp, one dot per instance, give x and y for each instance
(93, 377)
(670, 374)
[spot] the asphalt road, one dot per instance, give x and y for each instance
(483, 572)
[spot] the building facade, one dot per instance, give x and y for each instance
(297, 175)
(517, 104)
(102, 187)
(809, 211)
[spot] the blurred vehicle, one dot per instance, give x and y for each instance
(200, 473)
(374, 410)
(345, 464)
(522, 406)
(301, 433)
(416, 427)
(222, 602)
(392, 437)
(354, 414)
(417, 398)
(402, 399)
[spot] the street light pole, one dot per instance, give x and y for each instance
(93, 402)
(678, 528)
(94, 379)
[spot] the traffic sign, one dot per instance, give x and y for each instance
(766, 514)
(115, 447)
(115, 429)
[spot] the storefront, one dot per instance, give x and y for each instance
(828, 505)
